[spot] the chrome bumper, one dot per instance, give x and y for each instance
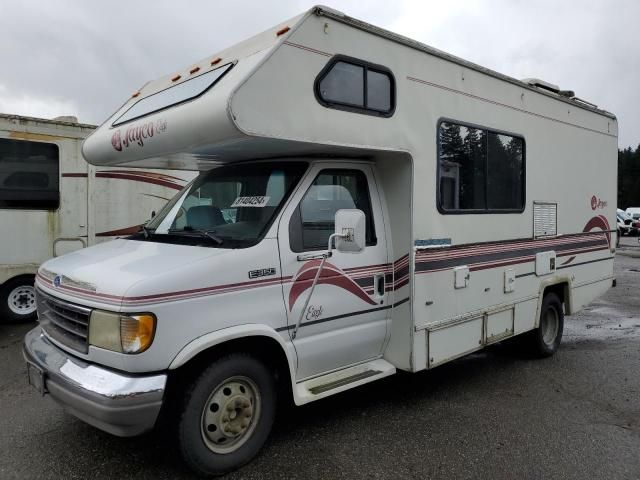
(123, 405)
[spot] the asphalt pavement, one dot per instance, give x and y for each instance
(495, 414)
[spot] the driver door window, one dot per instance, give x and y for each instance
(313, 221)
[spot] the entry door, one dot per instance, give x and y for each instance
(346, 319)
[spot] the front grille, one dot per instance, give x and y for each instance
(64, 322)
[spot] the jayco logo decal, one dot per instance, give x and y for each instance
(598, 203)
(136, 134)
(330, 275)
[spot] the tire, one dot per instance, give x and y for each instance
(227, 415)
(545, 340)
(18, 300)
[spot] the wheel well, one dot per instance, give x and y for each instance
(29, 276)
(562, 291)
(265, 349)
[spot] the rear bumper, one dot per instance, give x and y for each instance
(123, 405)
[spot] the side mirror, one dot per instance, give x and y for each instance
(350, 230)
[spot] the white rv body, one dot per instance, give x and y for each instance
(87, 204)
(434, 284)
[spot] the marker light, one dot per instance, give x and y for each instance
(282, 31)
(216, 61)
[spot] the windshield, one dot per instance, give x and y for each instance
(227, 207)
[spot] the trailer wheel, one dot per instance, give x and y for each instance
(18, 300)
(545, 340)
(227, 414)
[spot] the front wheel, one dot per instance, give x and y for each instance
(227, 414)
(18, 300)
(545, 340)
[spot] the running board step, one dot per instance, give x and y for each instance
(342, 380)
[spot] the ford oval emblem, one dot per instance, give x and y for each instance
(57, 280)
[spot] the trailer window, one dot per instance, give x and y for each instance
(29, 175)
(479, 170)
(187, 90)
(356, 86)
(313, 221)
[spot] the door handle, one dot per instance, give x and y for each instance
(379, 284)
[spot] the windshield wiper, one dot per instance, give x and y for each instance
(147, 231)
(204, 233)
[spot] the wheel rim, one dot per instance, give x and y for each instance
(22, 300)
(550, 325)
(230, 414)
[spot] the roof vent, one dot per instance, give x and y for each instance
(536, 82)
(66, 118)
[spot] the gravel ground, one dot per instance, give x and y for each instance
(494, 415)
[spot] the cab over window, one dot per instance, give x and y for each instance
(29, 175)
(479, 171)
(356, 86)
(313, 221)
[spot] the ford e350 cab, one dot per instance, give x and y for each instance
(366, 204)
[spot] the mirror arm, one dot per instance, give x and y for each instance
(324, 257)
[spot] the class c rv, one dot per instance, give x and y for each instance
(52, 202)
(366, 204)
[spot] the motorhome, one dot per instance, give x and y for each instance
(52, 202)
(366, 204)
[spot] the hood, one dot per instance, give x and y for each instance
(105, 272)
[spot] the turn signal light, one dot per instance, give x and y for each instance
(136, 332)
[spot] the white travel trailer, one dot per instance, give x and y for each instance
(52, 202)
(376, 205)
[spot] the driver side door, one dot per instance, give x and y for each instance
(345, 322)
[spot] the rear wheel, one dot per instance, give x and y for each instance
(545, 340)
(18, 300)
(227, 415)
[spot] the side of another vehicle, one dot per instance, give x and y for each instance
(52, 202)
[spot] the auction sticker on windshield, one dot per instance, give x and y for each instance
(250, 202)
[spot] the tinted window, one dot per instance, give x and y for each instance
(378, 91)
(173, 95)
(332, 190)
(344, 83)
(505, 172)
(351, 84)
(29, 175)
(479, 170)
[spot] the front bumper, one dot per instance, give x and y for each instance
(123, 405)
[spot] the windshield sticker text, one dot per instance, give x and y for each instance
(250, 202)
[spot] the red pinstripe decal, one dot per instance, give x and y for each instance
(308, 49)
(140, 178)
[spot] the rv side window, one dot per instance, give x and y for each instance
(479, 170)
(356, 86)
(29, 175)
(313, 221)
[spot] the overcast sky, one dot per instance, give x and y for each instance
(85, 58)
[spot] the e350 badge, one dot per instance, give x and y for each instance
(263, 272)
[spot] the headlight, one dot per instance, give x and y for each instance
(121, 333)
